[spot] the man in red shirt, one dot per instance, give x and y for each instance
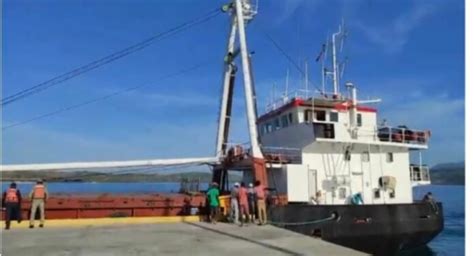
(244, 203)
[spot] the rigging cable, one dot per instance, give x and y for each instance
(109, 58)
(101, 98)
(288, 57)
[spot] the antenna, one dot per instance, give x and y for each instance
(342, 67)
(273, 96)
(322, 55)
(306, 77)
(287, 81)
(343, 34)
(335, 75)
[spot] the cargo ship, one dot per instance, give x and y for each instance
(330, 169)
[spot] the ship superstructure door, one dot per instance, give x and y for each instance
(365, 179)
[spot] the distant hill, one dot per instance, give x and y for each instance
(448, 174)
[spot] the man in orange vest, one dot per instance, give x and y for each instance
(12, 203)
(38, 196)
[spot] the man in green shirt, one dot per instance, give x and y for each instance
(213, 199)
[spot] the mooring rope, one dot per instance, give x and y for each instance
(332, 217)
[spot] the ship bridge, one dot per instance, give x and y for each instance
(300, 121)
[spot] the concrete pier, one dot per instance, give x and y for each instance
(184, 238)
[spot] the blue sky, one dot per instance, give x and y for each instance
(409, 53)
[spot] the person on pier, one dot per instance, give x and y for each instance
(38, 196)
(261, 205)
(244, 204)
(234, 203)
(11, 203)
(213, 199)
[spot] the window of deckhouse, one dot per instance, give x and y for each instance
(347, 155)
(290, 118)
(359, 120)
(389, 157)
(333, 116)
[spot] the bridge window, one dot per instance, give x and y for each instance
(359, 119)
(268, 127)
(284, 121)
(276, 124)
(333, 116)
(389, 157)
(309, 115)
(290, 118)
(320, 115)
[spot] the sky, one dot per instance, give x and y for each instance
(408, 53)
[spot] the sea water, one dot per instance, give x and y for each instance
(449, 242)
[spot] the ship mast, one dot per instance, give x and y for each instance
(339, 35)
(242, 12)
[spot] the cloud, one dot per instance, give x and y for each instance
(38, 144)
(394, 35)
(290, 7)
(441, 114)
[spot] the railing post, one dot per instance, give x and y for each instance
(390, 134)
(403, 135)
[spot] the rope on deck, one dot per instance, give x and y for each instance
(332, 217)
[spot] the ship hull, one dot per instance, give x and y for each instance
(376, 229)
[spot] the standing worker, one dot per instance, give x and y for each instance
(234, 202)
(38, 196)
(213, 199)
(12, 204)
(244, 203)
(261, 207)
(252, 202)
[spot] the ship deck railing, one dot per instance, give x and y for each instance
(283, 155)
(402, 134)
(272, 154)
(420, 174)
(295, 94)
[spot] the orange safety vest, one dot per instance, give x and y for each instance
(38, 192)
(11, 196)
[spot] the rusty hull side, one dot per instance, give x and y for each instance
(126, 205)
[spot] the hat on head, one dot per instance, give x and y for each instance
(250, 185)
(236, 184)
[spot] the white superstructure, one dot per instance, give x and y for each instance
(344, 150)
(337, 159)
